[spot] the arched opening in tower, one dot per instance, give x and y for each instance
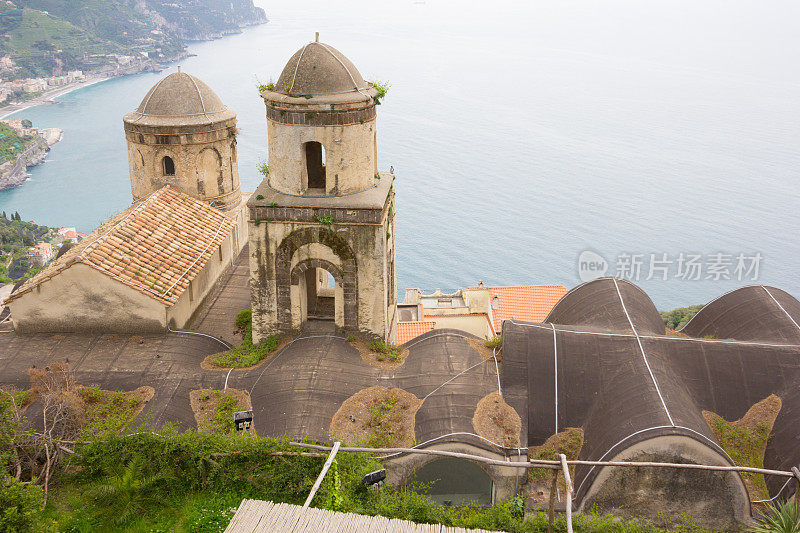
(315, 165)
(168, 165)
(320, 294)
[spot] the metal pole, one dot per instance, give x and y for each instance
(321, 476)
(568, 483)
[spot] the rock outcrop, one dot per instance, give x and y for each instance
(15, 173)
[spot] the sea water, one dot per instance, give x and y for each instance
(521, 134)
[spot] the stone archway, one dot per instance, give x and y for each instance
(306, 299)
(285, 275)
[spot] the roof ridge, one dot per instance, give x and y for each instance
(117, 251)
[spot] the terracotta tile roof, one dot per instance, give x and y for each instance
(531, 303)
(157, 246)
(409, 330)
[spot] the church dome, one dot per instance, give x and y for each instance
(180, 99)
(319, 69)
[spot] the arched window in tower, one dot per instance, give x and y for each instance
(168, 166)
(315, 165)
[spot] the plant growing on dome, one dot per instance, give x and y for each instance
(269, 86)
(382, 87)
(263, 167)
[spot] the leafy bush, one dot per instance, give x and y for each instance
(193, 481)
(19, 505)
(382, 87)
(107, 411)
(383, 349)
(247, 353)
(677, 318)
(494, 342)
(244, 319)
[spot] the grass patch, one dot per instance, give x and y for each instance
(213, 409)
(109, 412)
(246, 354)
(377, 417)
(494, 342)
(745, 440)
(385, 416)
(385, 350)
(569, 442)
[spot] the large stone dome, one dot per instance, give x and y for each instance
(180, 99)
(319, 69)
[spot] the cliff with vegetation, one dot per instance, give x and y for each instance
(50, 37)
(17, 153)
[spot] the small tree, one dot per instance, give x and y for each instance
(62, 415)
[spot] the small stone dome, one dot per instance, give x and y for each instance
(180, 99)
(319, 69)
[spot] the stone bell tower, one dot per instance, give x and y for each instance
(321, 224)
(183, 135)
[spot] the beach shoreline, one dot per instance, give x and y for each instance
(49, 97)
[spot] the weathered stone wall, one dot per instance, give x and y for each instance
(350, 156)
(205, 161)
(81, 299)
(715, 500)
(356, 255)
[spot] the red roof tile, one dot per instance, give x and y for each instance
(531, 303)
(409, 330)
(157, 246)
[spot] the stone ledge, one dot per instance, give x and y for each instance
(365, 207)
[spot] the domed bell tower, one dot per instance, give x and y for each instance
(183, 135)
(322, 221)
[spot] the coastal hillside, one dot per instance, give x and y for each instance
(40, 44)
(51, 37)
(206, 19)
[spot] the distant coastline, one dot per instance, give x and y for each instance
(49, 97)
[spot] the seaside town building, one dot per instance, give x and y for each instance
(478, 310)
(324, 210)
(42, 253)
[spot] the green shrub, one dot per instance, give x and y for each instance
(247, 353)
(677, 318)
(382, 87)
(384, 348)
(325, 221)
(244, 319)
(783, 517)
(107, 412)
(20, 505)
(494, 342)
(193, 481)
